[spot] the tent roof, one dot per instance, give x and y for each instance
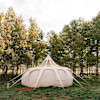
(48, 58)
(48, 62)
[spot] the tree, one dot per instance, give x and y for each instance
(35, 41)
(95, 35)
(74, 35)
(2, 44)
(14, 35)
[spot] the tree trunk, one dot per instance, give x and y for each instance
(5, 73)
(74, 63)
(20, 69)
(81, 64)
(87, 65)
(81, 73)
(12, 69)
(6, 69)
(74, 69)
(17, 69)
(97, 62)
(87, 69)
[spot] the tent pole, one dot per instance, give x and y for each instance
(38, 78)
(80, 77)
(58, 76)
(15, 82)
(40, 75)
(77, 82)
(15, 77)
(59, 80)
(18, 80)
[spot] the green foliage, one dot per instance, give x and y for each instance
(35, 42)
(16, 46)
(77, 45)
(55, 47)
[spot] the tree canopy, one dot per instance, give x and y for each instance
(76, 46)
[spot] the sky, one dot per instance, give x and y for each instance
(52, 14)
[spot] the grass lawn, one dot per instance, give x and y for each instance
(74, 92)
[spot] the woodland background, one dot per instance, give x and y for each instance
(77, 46)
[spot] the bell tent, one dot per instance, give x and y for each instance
(48, 73)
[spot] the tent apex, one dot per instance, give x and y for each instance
(48, 58)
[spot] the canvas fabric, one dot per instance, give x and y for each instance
(48, 73)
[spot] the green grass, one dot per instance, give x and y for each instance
(74, 92)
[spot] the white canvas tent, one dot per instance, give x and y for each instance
(48, 73)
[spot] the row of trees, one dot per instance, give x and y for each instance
(19, 45)
(78, 45)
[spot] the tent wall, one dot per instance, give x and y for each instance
(48, 77)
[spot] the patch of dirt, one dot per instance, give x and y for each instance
(34, 95)
(38, 97)
(25, 88)
(68, 97)
(63, 98)
(20, 92)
